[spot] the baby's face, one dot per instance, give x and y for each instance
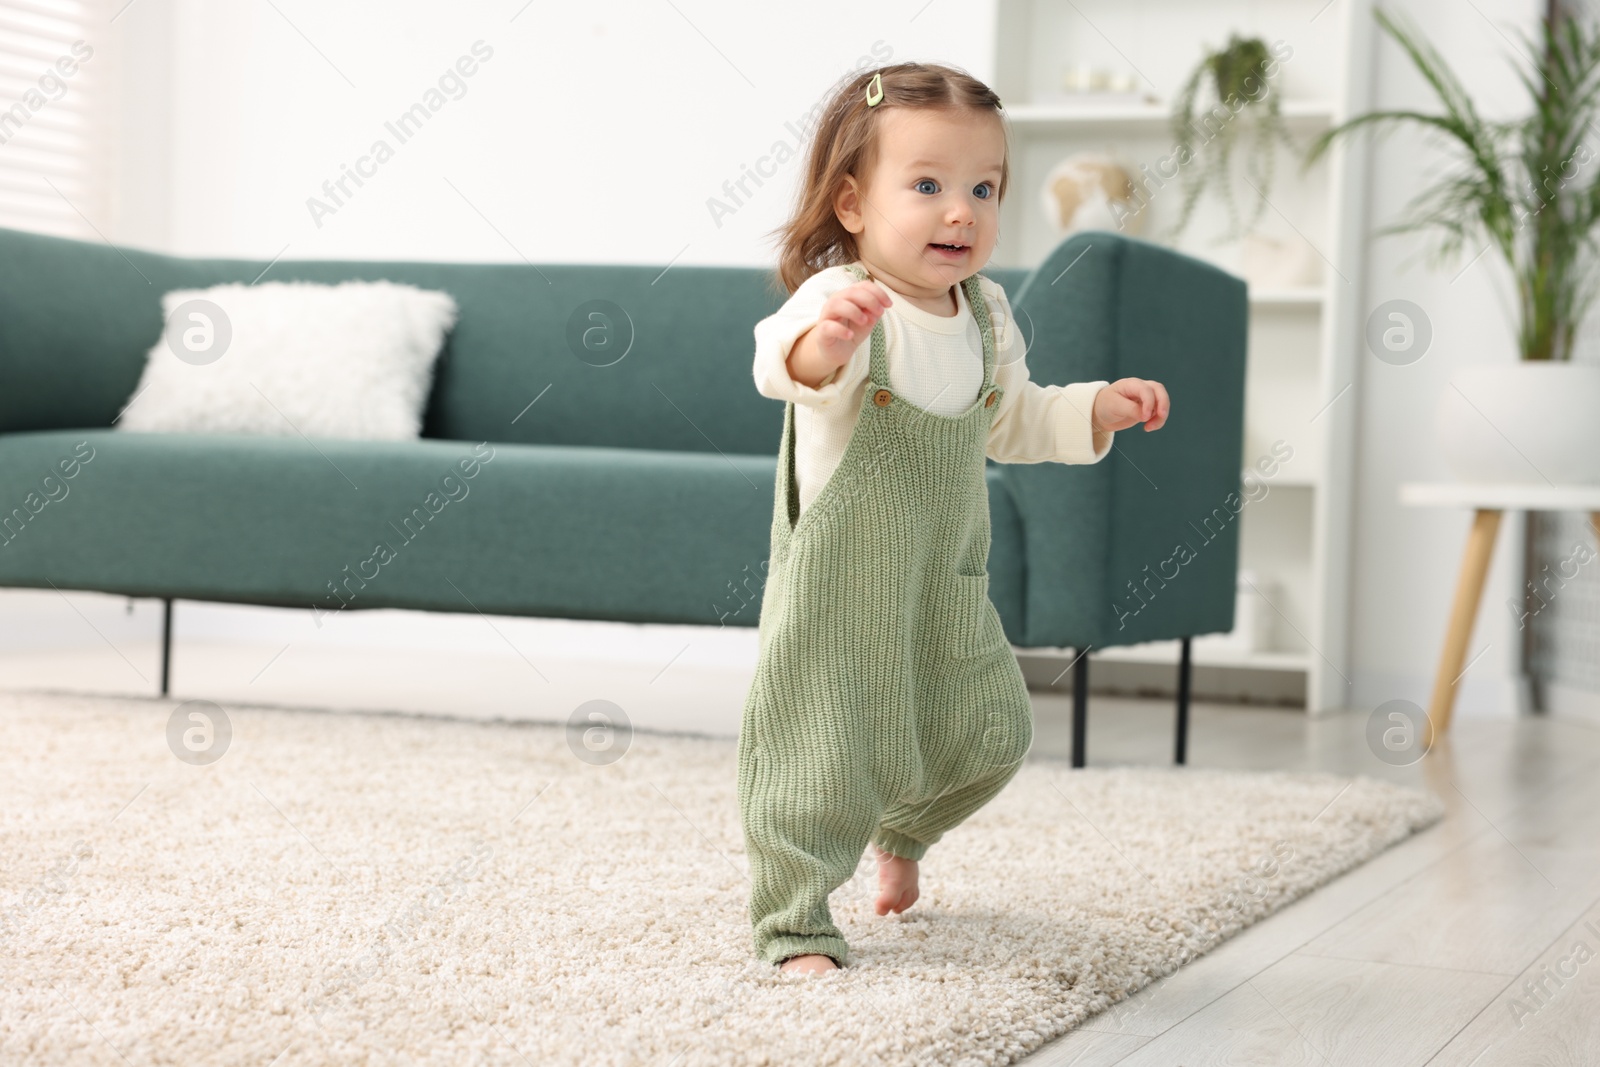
(937, 181)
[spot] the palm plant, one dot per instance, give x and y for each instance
(1517, 189)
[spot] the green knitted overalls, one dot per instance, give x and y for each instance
(887, 705)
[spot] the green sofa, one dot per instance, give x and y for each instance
(630, 459)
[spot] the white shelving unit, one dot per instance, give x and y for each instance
(1306, 332)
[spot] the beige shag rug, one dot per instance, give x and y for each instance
(351, 889)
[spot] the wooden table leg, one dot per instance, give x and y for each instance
(1469, 589)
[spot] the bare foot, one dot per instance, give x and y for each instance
(897, 882)
(809, 964)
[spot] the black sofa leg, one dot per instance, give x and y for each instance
(1182, 753)
(1080, 708)
(166, 642)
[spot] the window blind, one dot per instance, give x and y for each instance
(53, 78)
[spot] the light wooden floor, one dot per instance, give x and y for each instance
(1474, 942)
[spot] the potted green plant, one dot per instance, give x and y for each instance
(1236, 81)
(1521, 188)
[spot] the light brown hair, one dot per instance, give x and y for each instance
(846, 142)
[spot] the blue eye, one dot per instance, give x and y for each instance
(981, 185)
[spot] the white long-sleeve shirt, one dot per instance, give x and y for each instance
(935, 362)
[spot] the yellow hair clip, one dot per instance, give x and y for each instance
(877, 80)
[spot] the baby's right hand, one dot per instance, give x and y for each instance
(846, 318)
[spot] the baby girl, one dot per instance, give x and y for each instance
(887, 705)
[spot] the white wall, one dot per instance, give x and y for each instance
(593, 132)
(599, 133)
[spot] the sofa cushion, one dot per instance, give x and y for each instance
(288, 358)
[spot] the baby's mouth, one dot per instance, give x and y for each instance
(951, 251)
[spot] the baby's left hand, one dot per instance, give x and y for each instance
(1128, 401)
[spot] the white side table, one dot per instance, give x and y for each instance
(1488, 501)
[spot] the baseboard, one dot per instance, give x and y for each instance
(1231, 685)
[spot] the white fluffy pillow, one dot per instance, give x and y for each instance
(289, 358)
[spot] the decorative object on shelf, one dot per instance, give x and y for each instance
(1079, 193)
(1240, 75)
(1531, 420)
(1278, 262)
(1085, 81)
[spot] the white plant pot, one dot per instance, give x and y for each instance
(1527, 422)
